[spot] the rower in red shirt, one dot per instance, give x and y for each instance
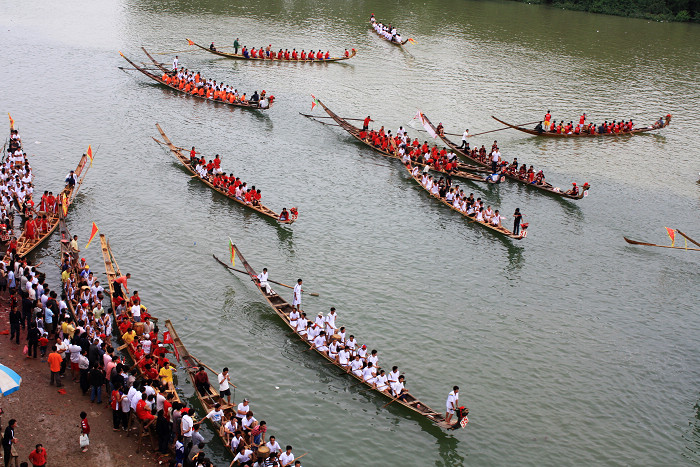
(582, 120)
(311, 55)
(248, 197)
(303, 54)
(365, 123)
(346, 54)
(328, 55)
(295, 55)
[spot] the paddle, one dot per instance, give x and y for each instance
(390, 402)
(687, 237)
(210, 369)
(313, 294)
(633, 242)
(320, 116)
(504, 128)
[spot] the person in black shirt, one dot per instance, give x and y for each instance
(32, 339)
(8, 440)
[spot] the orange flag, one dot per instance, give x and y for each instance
(189, 42)
(89, 153)
(92, 235)
(672, 235)
(12, 122)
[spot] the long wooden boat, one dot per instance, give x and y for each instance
(500, 230)
(585, 135)
(65, 199)
(673, 247)
(283, 309)
(265, 211)
(208, 401)
(159, 79)
(270, 60)
(398, 44)
(113, 272)
(462, 171)
(546, 187)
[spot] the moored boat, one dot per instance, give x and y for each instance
(241, 56)
(264, 210)
(26, 244)
(462, 170)
(166, 80)
(634, 131)
(284, 309)
(546, 187)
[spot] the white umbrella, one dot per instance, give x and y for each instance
(9, 380)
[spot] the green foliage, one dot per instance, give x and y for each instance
(660, 10)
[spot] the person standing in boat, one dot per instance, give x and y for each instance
(517, 217)
(176, 63)
(452, 403)
(547, 120)
(365, 123)
(236, 45)
(296, 298)
(464, 144)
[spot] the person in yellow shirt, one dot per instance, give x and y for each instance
(166, 373)
(129, 336)
(65, 276)
(68, 329)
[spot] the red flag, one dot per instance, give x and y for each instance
(672, 235)
(189, 42)
(92, 235)
(12, 122)
(89, 153)
(167, 339)
(232, 250)
(313, 102)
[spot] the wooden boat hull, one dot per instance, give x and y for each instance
(175, 88)
(27, 245)
(634, 242)
(355, 132)
(265, 211)
(112, 270)
(580, 135)
(271, 60)
(283, 309)
(191, 366)
(499, 230)
(547, 188)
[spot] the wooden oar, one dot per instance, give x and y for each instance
(274, 282)
(210, 369)
(425, 131)
(504, 128)
(687, 237)
(390, 402)
(320, 116)
(633, 242)
(122, 347)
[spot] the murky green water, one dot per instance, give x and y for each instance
(571, 347)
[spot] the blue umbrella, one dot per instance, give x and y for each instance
(9, 380)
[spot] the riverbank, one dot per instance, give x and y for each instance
(655, 10)
(45, 415)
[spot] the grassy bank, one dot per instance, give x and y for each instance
(658, 10)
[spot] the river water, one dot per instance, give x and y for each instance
(570, 347)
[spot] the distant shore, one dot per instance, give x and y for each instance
(656, 10)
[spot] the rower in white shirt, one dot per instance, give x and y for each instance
(373, 358)
(452, 403)
(344, 357)
(293, 317)
(368, 374)
(381, 381)
(262, 277)
(320, 321)
(273, 445)
(301, 327)
(398, 390)
(320, 342)
(351, 343)
(393, 375)
(356, 366)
